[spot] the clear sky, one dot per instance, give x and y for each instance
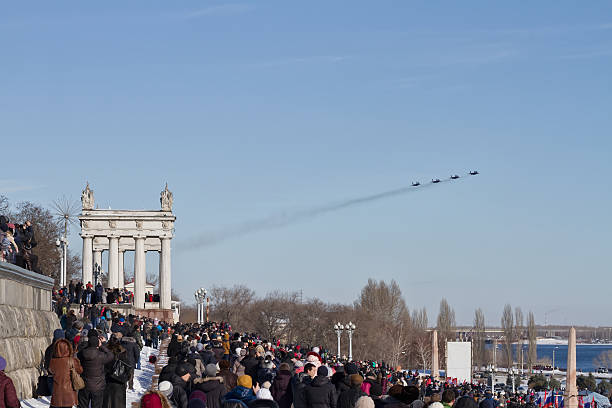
(249, 109)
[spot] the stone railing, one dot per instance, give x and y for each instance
(26, 324)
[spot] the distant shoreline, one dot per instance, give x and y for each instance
(560, 342)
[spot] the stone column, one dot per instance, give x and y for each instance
(121, 270)
(571, 391)
(113, 262)
(165, 275)
(139, 272)
(97, 257)
(435, 365)
(87, 258)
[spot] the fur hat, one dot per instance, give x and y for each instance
(322, 371)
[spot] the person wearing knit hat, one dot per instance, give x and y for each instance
(365, 402)
(10, 394)
(351, 368)
(211, 370)
(243, 392)
(166, 388)
(154, 399)
(245, 381)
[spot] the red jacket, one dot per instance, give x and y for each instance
(8, 395)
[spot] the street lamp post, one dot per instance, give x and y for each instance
(553, 364)
(350, 328)
(338, 327)
(62, 243)
(200, 295)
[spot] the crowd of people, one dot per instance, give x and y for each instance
(16, 243)
(209, 366)
(89, 294)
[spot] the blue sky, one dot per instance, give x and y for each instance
(249, 109)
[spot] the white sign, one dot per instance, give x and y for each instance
(459, 360)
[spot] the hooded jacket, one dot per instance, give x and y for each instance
(8, 395)
(281, 389)
(63, 393)
(241, 394)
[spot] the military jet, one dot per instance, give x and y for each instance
(473, 173)
(454, 177)
(435, 181)
(416, 184)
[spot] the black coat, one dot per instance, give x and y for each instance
(321, 393)
(214, 388)
(263, 403)
(251, 365)
(299, 382)
(133, 352)
(93, 360)
(341, 381)
(180, 391)
(349, 397)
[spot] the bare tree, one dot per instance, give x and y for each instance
(479, 338)
(507, 324)
(446, 325)
(385, 319)
(532, 355)
(419, 319)
(518, 324)
(422, 349)
(4, 205)
(232, 304)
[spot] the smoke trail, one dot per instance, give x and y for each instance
(284, 219)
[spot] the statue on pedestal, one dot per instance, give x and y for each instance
(87, 198)
(166, 199)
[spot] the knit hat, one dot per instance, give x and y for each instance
(366, 402)
(356, 379)
(264, 394)
(58, 334)
(182, 369)
(245, 381)
(201, 395)
(351, 368)
(322, 371)
(2, 363)
(166, 388)
(211, 370)
(93, 341)
(196, 403)
(150, 400)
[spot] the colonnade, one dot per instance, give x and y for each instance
(116, 268)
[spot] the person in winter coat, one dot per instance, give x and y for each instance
(57, 334)
(242, 393)
(114, 393)
(238, 368)
(229, 379)
(212, 385)
(349, 398)
(208, 357)
(321, 393)
(8, 395)
(264, 398)
(62, 361)
(93, 359)
(133, 356)
(281, 389)
(181, 383)
(300, 382)
(251, 363)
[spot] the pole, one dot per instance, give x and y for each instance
(350, 333)
(207, 308)
(338, 334)
(61, 278)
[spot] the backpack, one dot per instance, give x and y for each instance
(121, 371)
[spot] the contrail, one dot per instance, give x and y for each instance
(284, 219)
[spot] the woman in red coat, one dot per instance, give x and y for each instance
(63, 393)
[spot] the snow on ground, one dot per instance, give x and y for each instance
(142, 383)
